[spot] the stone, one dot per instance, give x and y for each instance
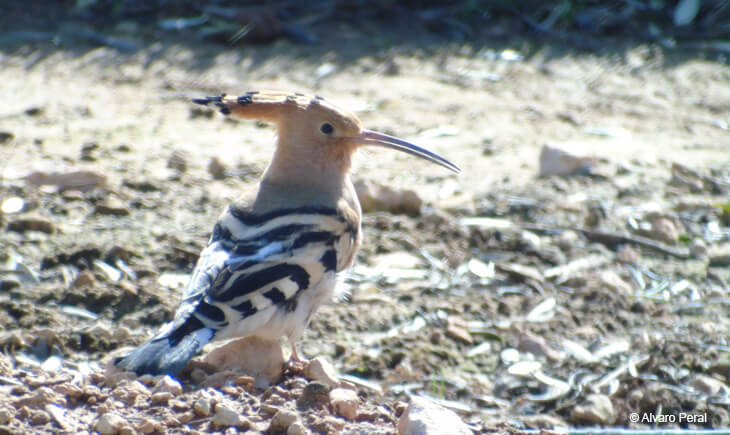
(6, 136)
(112, 207)
(321, 370)
(282, 420)
(76, 180)
(719, 254)
(314, 395)
(162, 397)
(202, 407)
(109, 424)
(424, 417)
(217, 169)
(344, 402)
(38, 417)
(167, 384)
(31, 222)
(710, 386)
(377, 197)
(297, 428)
(178, 161)
(226, 416)
(458, 330)
(612, 281)
(85, 278)
(6, 414)
(595, 409)
(664, 230)
(556, 160)
(147, 425)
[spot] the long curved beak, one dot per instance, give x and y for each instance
(373, 138)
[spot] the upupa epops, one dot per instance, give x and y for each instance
(273, 256)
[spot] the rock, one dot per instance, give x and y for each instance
(664, 229)
(38, 417)
(128, 392)
(345, 402)
(538, 346)
(596, 409)
(85, 278)
(147, 426)
(611, 280)
(376, 197)
(76, 180)
(216, 169)
(458, 330)
(109, 424)
(9, 283)
(167, 384)
(6, 414)
(424, 417)
(202, 406)
(112, 207)
(628, 254)
(226, 416)
(319, 369)
(259, 358)
(314, 395)
(561, 161)
(710, 386)
(30, 222)
(698, 248)
(6, 136)
(719, 255)
(297, 428)
(162, 397)
(282, 420)
(89, 151)
(178, 161)
(14, 204)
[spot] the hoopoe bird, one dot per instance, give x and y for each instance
(273, 256)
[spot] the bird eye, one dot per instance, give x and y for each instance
(326, 128)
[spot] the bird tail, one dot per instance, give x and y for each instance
(169, 352)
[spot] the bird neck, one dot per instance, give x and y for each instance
(299, 179)
(309, 169)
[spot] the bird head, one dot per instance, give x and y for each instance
(310, 125)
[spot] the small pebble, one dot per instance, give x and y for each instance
(112, 207)
(85, 278)
(38, 417)
(217, 169)
(319, 369)
(109, 424)
(146, 426)
(202, 406)
(596, 409)
(282, 420)
(31, 223)
(6, 136)
(6, 414)
(226, 416)
(161, 397)
(178, 161)
(345, 402)
(169, 385)
(315, 395)
(296, 428)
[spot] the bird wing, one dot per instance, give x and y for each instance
(254, 261)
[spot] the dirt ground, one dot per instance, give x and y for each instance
(579, 301)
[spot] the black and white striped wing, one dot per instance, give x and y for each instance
(255, 261)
